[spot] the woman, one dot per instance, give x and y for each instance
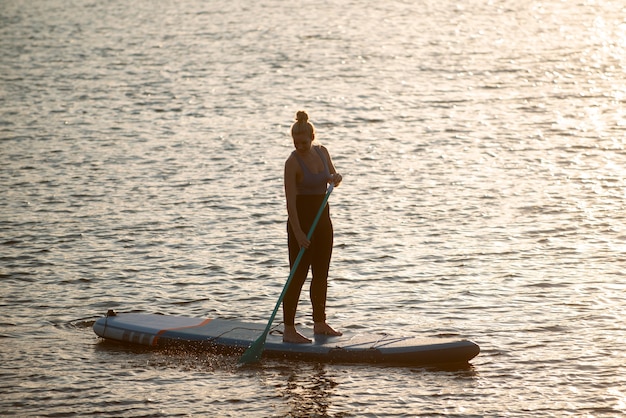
(308, 170)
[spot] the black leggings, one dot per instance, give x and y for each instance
(317, 257)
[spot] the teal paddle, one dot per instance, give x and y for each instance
(253, 353)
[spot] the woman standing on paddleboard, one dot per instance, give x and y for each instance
(308, 171)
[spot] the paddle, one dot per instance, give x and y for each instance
(253, 353)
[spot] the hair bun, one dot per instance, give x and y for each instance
(302, 116)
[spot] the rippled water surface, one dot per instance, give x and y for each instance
(482, 149)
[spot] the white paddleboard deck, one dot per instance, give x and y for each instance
(233, 337)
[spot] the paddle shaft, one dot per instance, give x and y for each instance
(253, 353)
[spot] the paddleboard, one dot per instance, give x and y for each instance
(234, 337)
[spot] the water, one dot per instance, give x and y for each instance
(482, 149)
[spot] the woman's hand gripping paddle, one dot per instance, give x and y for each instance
(253, 353)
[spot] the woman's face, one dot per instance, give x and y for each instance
(302, 142)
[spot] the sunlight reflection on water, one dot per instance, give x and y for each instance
(482, 147)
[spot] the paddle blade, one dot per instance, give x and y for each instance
(253, 353)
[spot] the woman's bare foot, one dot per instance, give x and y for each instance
(291, 335)
(322, 328)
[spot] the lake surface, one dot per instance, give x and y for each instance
(482, 145)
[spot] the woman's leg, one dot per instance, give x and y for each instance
(320, 263)
(292, 295)
(319, 288)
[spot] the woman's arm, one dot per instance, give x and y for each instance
(291, 191)
(335, 176)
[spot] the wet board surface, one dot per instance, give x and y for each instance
(233, 337)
